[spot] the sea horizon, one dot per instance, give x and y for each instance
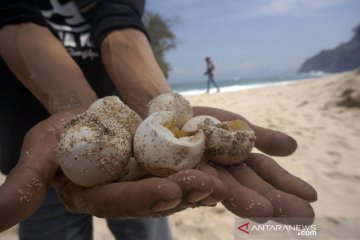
(231, 85)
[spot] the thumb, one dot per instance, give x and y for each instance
(26, 186)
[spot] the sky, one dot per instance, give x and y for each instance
(250, 38)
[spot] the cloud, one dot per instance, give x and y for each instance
(230, 11)
(292, 7)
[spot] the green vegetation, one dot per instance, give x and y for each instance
(162, 39)
(342, 58)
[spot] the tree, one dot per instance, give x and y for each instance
(162, 39)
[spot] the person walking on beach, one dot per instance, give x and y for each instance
(210, 72)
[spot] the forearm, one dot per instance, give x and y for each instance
(130, 62)
(42, 64)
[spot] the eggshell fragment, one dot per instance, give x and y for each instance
(193, 124)
(172, 102)
(133, 171)
(159, 152)
(227, 145)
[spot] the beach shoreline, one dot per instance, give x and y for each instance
(327, 157)
(199, 87)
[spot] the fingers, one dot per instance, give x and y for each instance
(27, 184)
(142, 198)
(268, 141)
(243, 201)
(278, 177)
(272, 142)
(21, 194)
(220, 191)
(285, 205)
(289, 209)
(195, 185)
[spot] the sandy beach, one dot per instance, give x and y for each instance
(328, 154)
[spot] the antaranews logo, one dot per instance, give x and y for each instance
(300, 230)
(244, 228)
(330, 228)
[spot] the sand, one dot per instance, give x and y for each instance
(328, 155)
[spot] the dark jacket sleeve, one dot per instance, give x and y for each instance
(20, 11)
(108, 15)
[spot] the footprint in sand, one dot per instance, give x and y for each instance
(303, 103)
(335, 156)
(299, 133)
(343, 177)
(309, 117)
(325, 162)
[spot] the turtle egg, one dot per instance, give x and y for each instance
(172, 102)
(162, 149)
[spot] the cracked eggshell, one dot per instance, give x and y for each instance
(225, 146)
(193, 124)
(111, 111)
(90, 153)
(159, 152)
(172, 102)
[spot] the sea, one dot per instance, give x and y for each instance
(236, 84)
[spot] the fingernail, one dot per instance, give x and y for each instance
(195, 196)
(210, 201)
(163, 205)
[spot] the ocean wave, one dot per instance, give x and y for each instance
(197, 88)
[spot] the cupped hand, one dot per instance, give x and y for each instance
(26, 186)
(259, 188)
(149, 197)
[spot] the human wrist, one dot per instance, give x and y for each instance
(131, 65)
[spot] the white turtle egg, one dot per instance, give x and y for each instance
(89, 157)
(162, 149)
(172, 102)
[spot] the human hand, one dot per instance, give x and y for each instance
(148, 197)
(259, 188)
(26, 186)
